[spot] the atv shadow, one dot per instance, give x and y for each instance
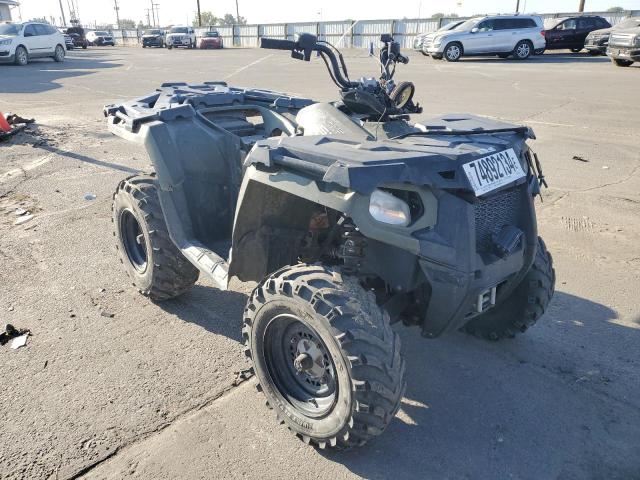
(543, 405)
(547, 57)
(215, 310)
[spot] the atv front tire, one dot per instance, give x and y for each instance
(526, 304)
(324, 355)
(156, 266)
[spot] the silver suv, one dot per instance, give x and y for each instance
(501, 35)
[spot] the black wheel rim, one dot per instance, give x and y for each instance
(311, 387)
(133, 240)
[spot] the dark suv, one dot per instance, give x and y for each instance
(597, 41)
(571, 32)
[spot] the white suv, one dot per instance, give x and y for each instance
(501, 35)
(181, 37)
(20, 42)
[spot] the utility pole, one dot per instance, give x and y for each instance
(153, 14)
(148, 18)
(237, 13)
(116, 8)
(199, 16)
(581, 7)
(517, 6)
(64, 20)
(157, 5)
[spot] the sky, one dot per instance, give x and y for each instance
(275, 11)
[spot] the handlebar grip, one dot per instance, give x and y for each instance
(276, 44)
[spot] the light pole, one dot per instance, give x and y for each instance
(64, 20)
(517, 6)
(199, 16)
(237, 13)
(116, 8)
(581, 7)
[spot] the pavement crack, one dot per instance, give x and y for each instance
(241, 377)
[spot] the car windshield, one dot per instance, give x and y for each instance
(179, 30)
(629, 23)
(211, 34)
(152, 32)
(550, 23)
(468, 25)
(101, 34)
(449, 26)
(10, 28)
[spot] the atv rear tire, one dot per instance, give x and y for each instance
(526, 304)
(156, 266)
(324, 355)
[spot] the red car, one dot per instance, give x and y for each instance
(210, 40)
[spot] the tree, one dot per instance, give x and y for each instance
(615, 9)
(444, 15)
(229, 19)
(39, 20)
(208, 18)
(127, 24)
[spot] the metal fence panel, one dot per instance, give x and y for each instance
(273, 31)
(346, 33)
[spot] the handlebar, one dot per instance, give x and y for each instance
(275, 44)
(302, 48)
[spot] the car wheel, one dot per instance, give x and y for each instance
(621, 63)
(59, 53)
(84, 47)
(576, 50)
(452, 52)
(169, 47)
(22, 57)
(523, 50)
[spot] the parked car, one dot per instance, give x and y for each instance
(597, 41)
(426, 38)
(153, 38)
(100, 38)
(21, 42)
(571, 32)
(501, 35)
(624, 47)
(181, 37)
(210, 40)
(68, 41)
(78, 36)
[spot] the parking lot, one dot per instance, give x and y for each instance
(112, 385)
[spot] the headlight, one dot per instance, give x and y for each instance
(386, 208)
(6, 42)
(437, 41)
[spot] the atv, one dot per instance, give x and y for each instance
(349, 218)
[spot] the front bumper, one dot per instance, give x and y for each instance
(6, 57)
(152, 42)
(624, 53)
(179, 42)
(459, 266)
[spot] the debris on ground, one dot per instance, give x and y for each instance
(580, 159)
(20, 341)
(242, 375)
(15, 334)
(14, 119)
(12, 124)
(104, 313)
(23, 219)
